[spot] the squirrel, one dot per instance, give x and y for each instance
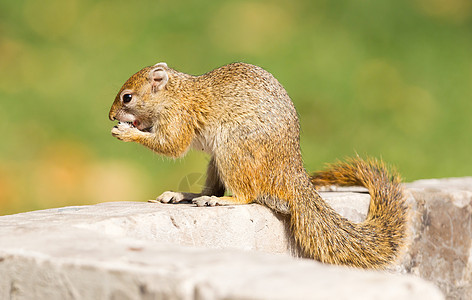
(244, 119)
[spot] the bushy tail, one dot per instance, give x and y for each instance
(331, 238)
(383, 184)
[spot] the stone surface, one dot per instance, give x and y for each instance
(129, 250)
(440, 241)
(441, 234)
(135, 250)
(129, 269)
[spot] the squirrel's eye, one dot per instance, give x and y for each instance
(127, 98)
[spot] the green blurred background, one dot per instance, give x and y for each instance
(391, 79)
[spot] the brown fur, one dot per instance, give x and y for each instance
(242, 116)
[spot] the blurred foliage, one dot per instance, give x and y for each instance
(391, 79)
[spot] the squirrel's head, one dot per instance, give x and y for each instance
(136, 101)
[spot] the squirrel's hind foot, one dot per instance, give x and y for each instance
(214, 201)
(175, 197)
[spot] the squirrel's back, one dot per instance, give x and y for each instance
(246, 103)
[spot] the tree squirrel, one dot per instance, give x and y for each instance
(243, 117)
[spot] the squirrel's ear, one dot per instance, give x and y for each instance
(161, 64)
(159, 77)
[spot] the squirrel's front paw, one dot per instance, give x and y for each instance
(124, 132)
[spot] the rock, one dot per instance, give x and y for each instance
(129, 269)
(247, 227)
(135, 250)
(440, 241)
(129, 250)
(441, 234)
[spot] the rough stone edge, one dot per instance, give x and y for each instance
(193, 273)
